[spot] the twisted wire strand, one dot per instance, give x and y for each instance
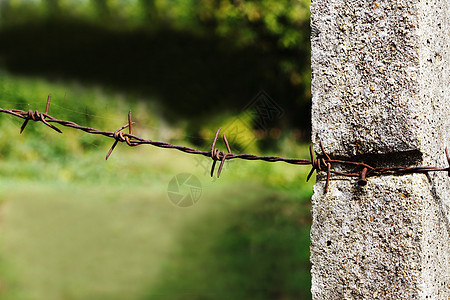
(321, 163)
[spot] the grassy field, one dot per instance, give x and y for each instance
(73, 226)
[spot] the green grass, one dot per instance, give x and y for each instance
(79, 241)
(73, 226)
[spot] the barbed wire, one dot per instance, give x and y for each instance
(320, 163)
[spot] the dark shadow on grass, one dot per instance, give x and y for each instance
(260, 251)
(193, 76)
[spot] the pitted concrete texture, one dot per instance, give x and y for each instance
(380, 241)
(380, 85)
(380, 74)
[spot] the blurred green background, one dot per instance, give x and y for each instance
(73, 226)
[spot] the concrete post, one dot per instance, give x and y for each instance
(380, 84)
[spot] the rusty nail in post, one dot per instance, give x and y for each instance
(48, 103)
(362, 177)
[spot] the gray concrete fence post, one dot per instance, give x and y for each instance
(380, 85)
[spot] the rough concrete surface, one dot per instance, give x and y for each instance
(380, 85)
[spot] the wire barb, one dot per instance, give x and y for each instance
(130, 128)
(48, 103)
(224, 155)
(36, 116)
(120, 137)
(216, 154)
(321, 163)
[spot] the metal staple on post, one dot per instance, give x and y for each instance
(321, 163)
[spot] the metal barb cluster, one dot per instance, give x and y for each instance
(363, 170)
(219, 155)
(323, 163)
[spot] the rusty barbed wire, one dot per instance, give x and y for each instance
(320, 163)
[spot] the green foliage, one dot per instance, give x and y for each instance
(276, 27)
(276, 17)
(248, 21)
